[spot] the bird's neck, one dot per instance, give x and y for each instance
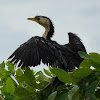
(49, 30)
(46, 32)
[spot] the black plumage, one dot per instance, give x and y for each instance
(75, 44)
(38, 49)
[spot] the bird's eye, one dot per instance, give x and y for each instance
(38, 18)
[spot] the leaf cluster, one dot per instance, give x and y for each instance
(26, 84)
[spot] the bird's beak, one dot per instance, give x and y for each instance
(33, 19)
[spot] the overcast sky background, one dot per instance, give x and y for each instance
(78, 16)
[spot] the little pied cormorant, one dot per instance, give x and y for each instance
(38, 49)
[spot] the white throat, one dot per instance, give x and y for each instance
(46, 24)
(46, 32)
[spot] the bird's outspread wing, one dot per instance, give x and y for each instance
(38, 49)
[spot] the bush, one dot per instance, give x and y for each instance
(26, 84)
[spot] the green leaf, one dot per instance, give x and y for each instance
(52, 96)
(29, 74)
(84, 55)
(96, 57)
(27, 77)
(48, 73)
(63, 95)
(95, 65)
(90, 90)
(62, 75)
(95, 61)
(2, 65)
(76, 96)
(38, 73)
(45, 93)
(87, 86)
(22, 79)
(19, 72)
(80, 73)
(10, 67)
(29, 97)
(4, 74)
(61, 87)
(50, 68)
(22, 92)
(86, 63)
(10, 88)
(42, 78)
(72, 92)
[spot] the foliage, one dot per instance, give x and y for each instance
(26, 84)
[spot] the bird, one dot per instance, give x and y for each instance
(51, 53)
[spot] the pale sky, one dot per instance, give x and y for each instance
(78, 16)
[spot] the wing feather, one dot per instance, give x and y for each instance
(33, 51)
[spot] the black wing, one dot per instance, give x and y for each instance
(36, 49)
(75, 44)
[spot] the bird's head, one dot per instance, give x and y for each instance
(42, 20)
(46, 23)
